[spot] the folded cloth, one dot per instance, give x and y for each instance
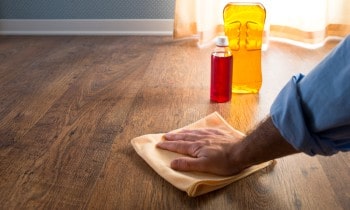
(194, 183)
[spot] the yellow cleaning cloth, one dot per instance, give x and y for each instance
(194, 183)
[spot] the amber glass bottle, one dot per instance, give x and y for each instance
(244, 26)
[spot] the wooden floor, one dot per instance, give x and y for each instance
(70, 105)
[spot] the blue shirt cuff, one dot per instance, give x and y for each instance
(289, 118)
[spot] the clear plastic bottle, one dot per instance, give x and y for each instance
(244, 26)
(221, 71)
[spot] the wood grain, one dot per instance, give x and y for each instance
(69, 106)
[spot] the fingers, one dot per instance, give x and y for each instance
(189, 142)
(206, 131)
(206, 150)
(192, 135)
(188, 164)
(182, 147)
(203, 164)
(176, 136)
(202, 131)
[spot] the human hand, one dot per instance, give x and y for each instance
(207, 150)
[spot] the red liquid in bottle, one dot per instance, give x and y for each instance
(221, 78)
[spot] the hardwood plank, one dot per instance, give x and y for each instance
(69, 143)
(48, 79)
(337, 170)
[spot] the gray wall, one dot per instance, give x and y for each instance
(87, 9)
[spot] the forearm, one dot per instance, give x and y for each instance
(262, 144)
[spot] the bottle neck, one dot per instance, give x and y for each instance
(222, 51)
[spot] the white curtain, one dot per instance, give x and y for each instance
(299, 21)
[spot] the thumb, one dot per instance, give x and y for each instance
(187, 164)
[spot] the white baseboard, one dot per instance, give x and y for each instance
(86, 26)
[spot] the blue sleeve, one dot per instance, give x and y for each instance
(313, 112)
